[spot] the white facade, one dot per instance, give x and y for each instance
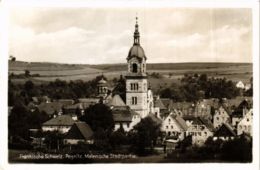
(172, 128)
(245, 125)
(199, 133)
(77, 141)
(61, 129)
(240, 85)
(221, 116)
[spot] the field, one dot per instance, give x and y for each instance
(169, 72)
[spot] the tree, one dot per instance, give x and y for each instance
(27, 73)
(118, 138)
(146, 135)
(17, 122)
(28, 85)
(99, 116)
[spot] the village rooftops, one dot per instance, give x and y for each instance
(62, 120)
(50, 108)
(80, 130)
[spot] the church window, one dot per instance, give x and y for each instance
(134, 68)
(134, 100)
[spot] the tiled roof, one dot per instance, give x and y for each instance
(123, 114)
(239, 110)
(50, 108)
(207, 123)
(80, 130)
(181, 122)
(225, 130)
(62, 120)
(159, 103)
(88, 100)
(167, 103)
(155, 119)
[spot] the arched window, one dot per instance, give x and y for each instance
(134, 68)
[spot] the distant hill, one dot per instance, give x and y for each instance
(169, 72)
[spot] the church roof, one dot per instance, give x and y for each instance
(136, 51)
(117, 101)
(102, 81)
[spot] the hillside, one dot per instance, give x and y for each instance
(169, 72)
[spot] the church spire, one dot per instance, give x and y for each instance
(136, 33)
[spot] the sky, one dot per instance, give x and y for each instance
(105, 35)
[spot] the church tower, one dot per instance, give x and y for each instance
(136, 78)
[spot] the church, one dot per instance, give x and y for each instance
(138, 97)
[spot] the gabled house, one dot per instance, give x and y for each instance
(174, 125)
(125, 117)
(61, 123)
(80, 132)
(240, 85)
(245, 125)
(221, 116)
(240, 111)
(224, 132)
(199, 129)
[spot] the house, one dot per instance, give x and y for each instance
(248, 86)
(159, 108)
(80, 132)
(240, 111)
(199, 129)
(74, 110)
(174, 125)
(61, 123)
(245, 125)
(186, 108)
(203, 109)
(221, 116)
(125, 117)
(224, 132)
(240, 85)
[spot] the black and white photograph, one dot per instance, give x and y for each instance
(118, 84)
